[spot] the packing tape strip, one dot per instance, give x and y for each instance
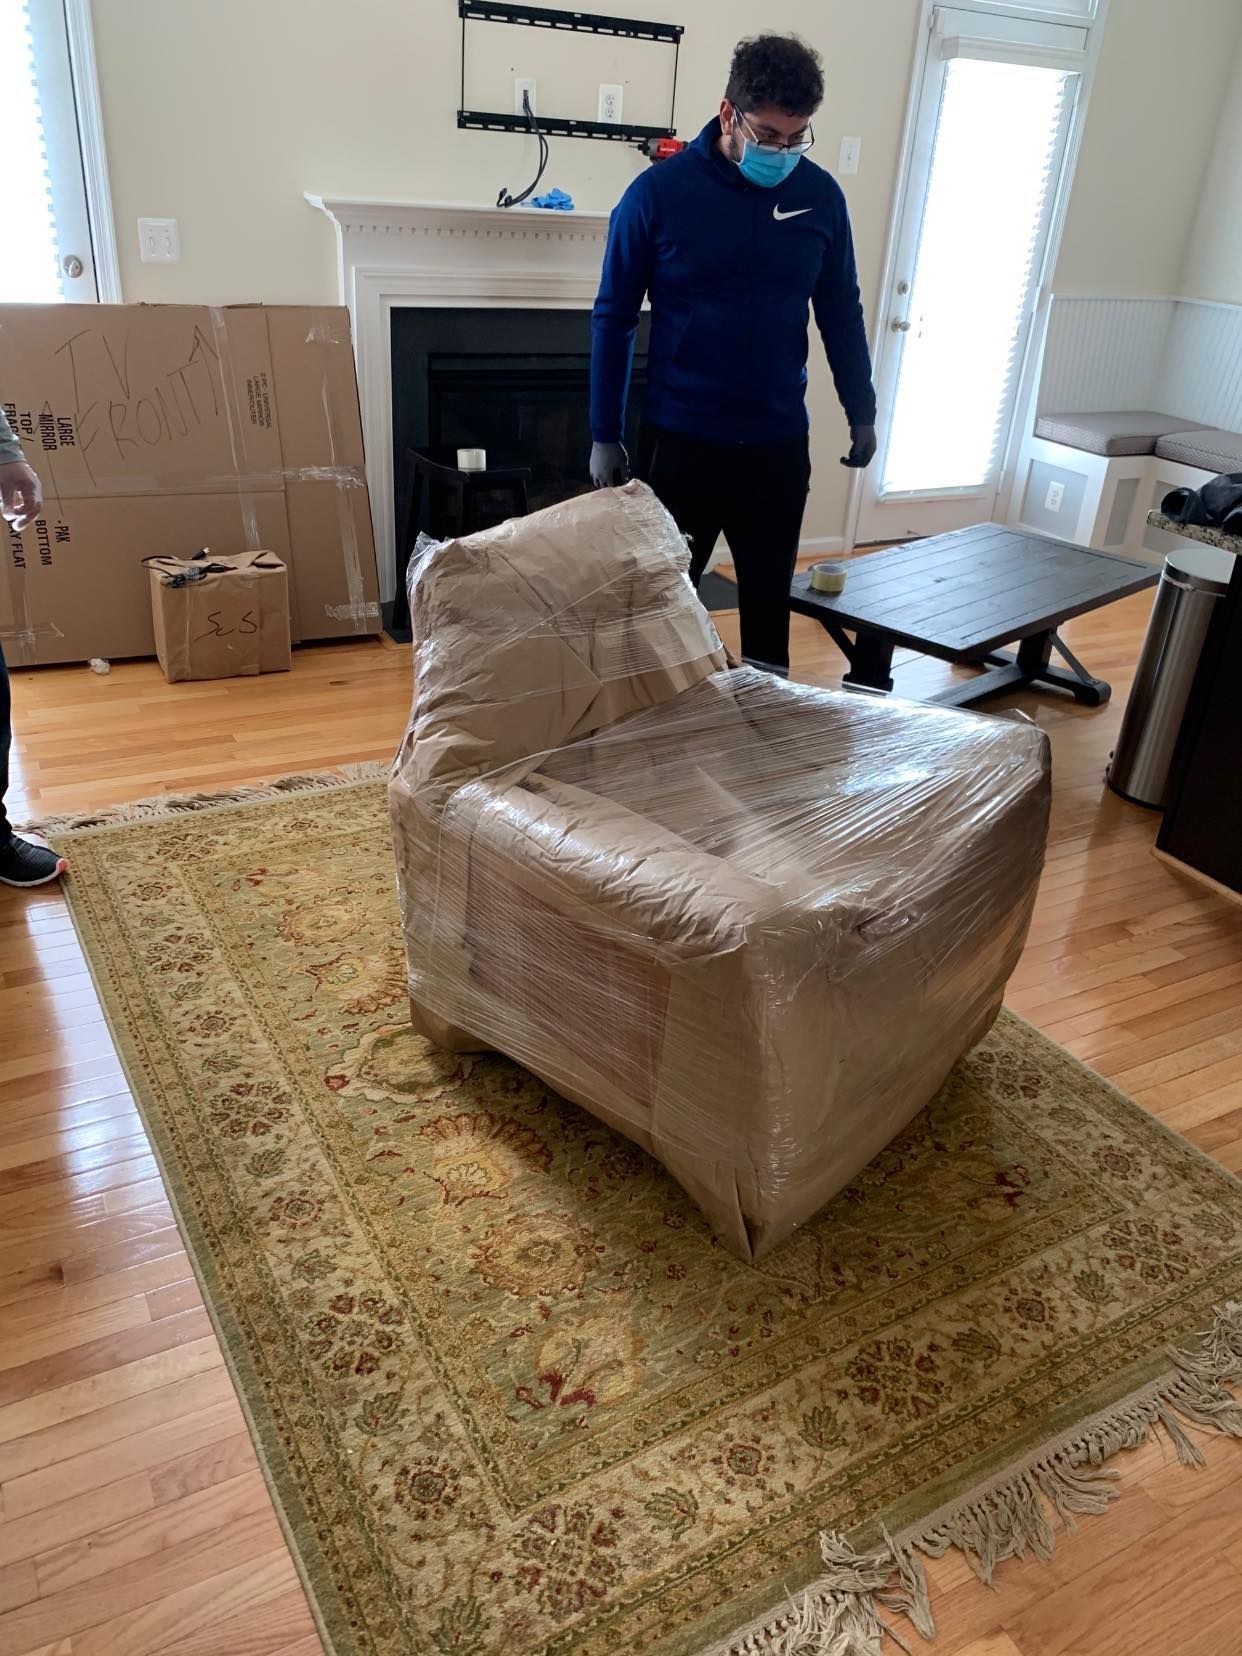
(324, 331)
(236, 428)
(327, 336)
(344, 477)
(25, 636)
(828, 578)
(14, 549)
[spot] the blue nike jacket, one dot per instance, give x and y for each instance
(732, 270)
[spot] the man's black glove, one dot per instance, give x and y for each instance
(610, 465)
(862, 447)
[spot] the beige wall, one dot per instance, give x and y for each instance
(1151, 128)
(220, 113)
(1213, 267)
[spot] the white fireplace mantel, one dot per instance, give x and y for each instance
(440, 253)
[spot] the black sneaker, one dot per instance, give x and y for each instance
(25, 864)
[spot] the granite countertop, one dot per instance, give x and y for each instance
(1193, 531)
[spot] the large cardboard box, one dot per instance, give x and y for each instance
(160, 429)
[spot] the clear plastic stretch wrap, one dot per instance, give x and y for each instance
(750, 924)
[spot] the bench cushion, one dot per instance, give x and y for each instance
(1110, 434)
(1210, 450)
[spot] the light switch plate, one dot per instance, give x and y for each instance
(851, 154)
(159, 241)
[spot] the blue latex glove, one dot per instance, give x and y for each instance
(555, 201)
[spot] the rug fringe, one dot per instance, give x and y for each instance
(1010, 1516)
(839, 1616)
(170, 805)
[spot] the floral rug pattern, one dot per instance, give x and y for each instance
(510, 1393)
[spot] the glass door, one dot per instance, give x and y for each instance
(47, 240)
(995, 114)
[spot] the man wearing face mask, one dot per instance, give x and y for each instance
(736, 241)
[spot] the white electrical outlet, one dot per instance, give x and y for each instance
(1055, 497)
(610, 105)
(159, 241)
(523, 88)
(851, 154)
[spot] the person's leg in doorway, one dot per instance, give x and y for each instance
(686, 476)
(21, 862)
(763, 522)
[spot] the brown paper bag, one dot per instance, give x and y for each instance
(220, 615)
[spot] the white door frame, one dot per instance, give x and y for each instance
(79, 26)
(76, 158)
(881, 339)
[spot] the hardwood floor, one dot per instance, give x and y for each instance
(133, 1516)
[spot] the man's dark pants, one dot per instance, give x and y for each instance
(6, 736)
(753, 493)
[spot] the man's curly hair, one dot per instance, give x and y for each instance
(776, 72)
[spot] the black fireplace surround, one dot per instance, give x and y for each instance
(515, 382)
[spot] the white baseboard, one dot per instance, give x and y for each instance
(818, 546)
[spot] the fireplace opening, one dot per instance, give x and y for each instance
(515, 382)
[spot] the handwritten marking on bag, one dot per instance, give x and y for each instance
(245, 625)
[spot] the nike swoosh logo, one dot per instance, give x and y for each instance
(781, 217)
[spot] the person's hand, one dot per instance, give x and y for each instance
(610, 465)
(862, 448)
(21, 495)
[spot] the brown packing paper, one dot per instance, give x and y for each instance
(220, 616)
(749, 923)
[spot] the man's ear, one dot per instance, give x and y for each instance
(729, 127)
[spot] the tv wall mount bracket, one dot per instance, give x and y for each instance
(574, 22)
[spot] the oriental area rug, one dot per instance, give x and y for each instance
(508, 1393)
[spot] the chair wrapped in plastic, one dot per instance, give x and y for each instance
(749, 924)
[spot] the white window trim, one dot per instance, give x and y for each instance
(927, 42)
(85, 72)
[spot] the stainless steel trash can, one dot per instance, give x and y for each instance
(1194, 578)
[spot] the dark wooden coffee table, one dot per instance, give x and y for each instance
(960, 597)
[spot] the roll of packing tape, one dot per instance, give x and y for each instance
(472, 459)
(828, 578)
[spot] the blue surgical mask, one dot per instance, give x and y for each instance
(762, 164)
(767, 168)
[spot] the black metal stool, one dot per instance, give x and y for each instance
(453, 506)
